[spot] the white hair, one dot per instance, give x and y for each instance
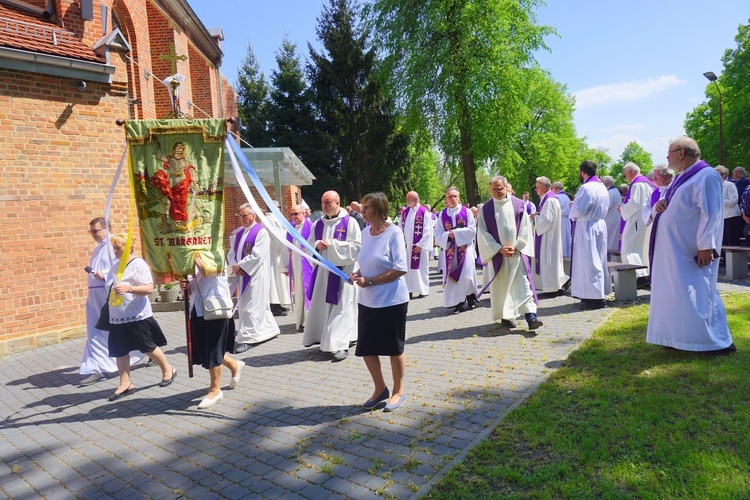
(631, 167)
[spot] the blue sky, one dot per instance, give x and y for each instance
(636, 67)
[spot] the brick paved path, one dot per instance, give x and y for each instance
(293, 428)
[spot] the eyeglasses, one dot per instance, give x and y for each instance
(498, 189)
(243, 216)
(94, 231)
(296, 213)
(673, 151)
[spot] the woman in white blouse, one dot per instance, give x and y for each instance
(733, 222)
(383, 300)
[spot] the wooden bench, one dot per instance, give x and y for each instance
(625, 280)
(736, 262)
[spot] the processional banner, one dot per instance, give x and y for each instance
(177, 170)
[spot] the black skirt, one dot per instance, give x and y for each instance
(211, 340)
(144, 335)
(382, 330)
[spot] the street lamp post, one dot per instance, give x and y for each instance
(711, 76)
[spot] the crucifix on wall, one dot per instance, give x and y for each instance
(175, 78)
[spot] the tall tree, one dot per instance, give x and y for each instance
(635, 153)
(457, 67)
(367, 151)
(252, 98)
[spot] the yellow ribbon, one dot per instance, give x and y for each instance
(114, 299)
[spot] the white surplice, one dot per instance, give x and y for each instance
(256, 321)
(95, 358)
(278, 291)
(686, 310)
(565, 230)
(635, 235)
(418, 280)
(589, 273)
(613, 220)
(510, 291)
(298, 295)
(455, 292)
(334, 326)
(547, 224)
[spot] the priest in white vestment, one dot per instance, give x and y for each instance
(687, 312)
(300, 267)
(249, 256)
(455, 232)
(565, 230)
(416, 222)
(505, 246)
(613, 218)
(95, 361)
(663, 176)
(332, 318)
(635, 230)
(588, 265)
(549, 276)
(278, 292)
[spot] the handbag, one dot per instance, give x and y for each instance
(103, 322)
(216, 308)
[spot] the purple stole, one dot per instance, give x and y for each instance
(334, 282)
(676, 183)
(244, 241)
(488, 214)
(573, 229)
(418, 226)
(538, 237)
(639, 178)
(655, 196)
(306, 267)
(462, 220)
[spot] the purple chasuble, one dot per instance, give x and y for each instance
(333, 288)
(639, 178)
(538, 237)
(418, 226)
(573, 228)
(678, 181)
(488, 214)
(462, 220)
(244, 240)
(306, 267)
(655, 196)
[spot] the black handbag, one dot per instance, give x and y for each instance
(103, 322)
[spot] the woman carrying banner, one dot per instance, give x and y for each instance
(132, 323)
(383, 300)
(211, 339)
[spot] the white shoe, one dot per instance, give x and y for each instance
(209, 402)
(236, 379)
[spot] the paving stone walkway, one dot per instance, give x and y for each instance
(293, 428)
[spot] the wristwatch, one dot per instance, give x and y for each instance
(369, 282)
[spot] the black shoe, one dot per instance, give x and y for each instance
(471, 302)
(127, 392)
(508, 323)
(459, 308)
(240, 348)
(533, 321)
(168, 382)
(301, 329)
(279, 312)
(565, 286)
(643, 282)
(593, 303)
(720, 352)
(92, 379)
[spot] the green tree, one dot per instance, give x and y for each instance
(635, 153)
(252, 99)
(457, 68)
(366, 150)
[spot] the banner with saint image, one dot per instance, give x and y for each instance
(177, 170)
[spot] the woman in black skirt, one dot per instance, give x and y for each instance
(132, 323)
(211, 339)
(383, 300)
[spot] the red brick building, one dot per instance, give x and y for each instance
(68, 70)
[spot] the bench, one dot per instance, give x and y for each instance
(736, 262)
(625, 280)
(614, 256)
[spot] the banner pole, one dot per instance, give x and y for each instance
(188, 333)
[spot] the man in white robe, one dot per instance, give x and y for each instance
(505, 246)
(663, 176)
(565, 231)
(687, 312)
(455, 232)
(278, 292)
(332, 318)
(416, 222)
(549, 276)
(612, 219)
(635, 231)
(249, 256)
(301, 268)
(95, 361)
(588, 265)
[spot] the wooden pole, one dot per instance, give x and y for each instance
(188, 333)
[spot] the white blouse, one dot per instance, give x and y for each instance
(133, 307)
(377, 255)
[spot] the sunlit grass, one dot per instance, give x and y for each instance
(623, 418)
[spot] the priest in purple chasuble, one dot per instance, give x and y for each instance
(416, 222)
(549, 276)
(565, 228)
(613, 218)
(297, 268)
(506, 247)
(249, 257)
(589, 274)
(332, 317)
(455, 232)
(634, 230)
(687, 312)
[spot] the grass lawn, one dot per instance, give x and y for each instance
(623, 418)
